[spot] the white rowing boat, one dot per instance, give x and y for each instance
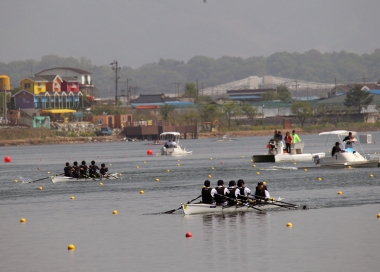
(56, 179)
(209, 208)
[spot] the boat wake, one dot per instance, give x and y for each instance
(278, 168)
(24, 180)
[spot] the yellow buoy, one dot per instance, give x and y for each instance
(264, 183)
(40, 188)
(340, 192)
(305, 170)
(375, 152)
(203, 186)
(257, 173)
(120, 175)
(72, 197)
(48, 172)
(157, 179)
(242, 157)
(144, 161)
(210, 158)
(371, 175)
(349, 166)
(295, 163)
(178, 160)
(319, 178)
(212, 168)
(114, 212)
(209, 176)
(254, 165)
(378, 215)
(289, 225)
(178, 165)
(101, 183)
(22, 220)
(142, 192)
(137, 167)
(71, 247)
(251, 160)
(110, 164)
(168, 170)
(15, 180)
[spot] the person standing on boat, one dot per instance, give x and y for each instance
(68, 170)
(349, 140)
(76, 170)
(288, 142)
(174, 144)
(207, 193)
(92, 170)
(232, 194)
(220, 194)
(335, 149)
(103, 170)
(83, 169)
(242, 191)
(295, 137)
(261, 194)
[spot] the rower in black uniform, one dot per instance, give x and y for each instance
(221, 192)
(207, 197)
(103, 170)
(68, 170)
(261, 194)
(243, 192)
(232, 194)
(92, 170)
(76, 170)
(83, 169)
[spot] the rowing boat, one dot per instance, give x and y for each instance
(56, 179)
(209, 208)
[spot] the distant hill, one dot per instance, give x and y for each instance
(166, 76)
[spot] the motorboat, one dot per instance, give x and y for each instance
(278, 154)
(56, 179)
(348, 156)
(172, 146)
(189, 209)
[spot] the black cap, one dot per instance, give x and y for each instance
(220, 182)
(260, 183)
(337, 143)
(83, 162)
(232, 183)
(207, 183)
(92, 162)
(240, 182)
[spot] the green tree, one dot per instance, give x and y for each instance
(358, 98)
(210, 113)
(269, 96)
(249, 111)
(165, 110)
(191, 90)
(230, 109)
(283, 94)
(302, 110)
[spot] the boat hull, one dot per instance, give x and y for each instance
(346, 159)
(189, 209)
(286, 157)
(57, 179)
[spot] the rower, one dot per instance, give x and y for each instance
(68, 170)
(232, 194)
(83, 169)
(92, 170)
(103, 170)
(261, 194)
(76, 170)
(242, 191)
(221, 192)
(207, 197)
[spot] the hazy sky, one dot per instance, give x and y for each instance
(136, 32)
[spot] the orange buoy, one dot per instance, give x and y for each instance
(189, 235)
(7, 159)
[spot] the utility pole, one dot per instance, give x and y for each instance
(116, 68)
(177, 88)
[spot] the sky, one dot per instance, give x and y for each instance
(137, 32)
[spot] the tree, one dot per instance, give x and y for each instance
(230, 109)
(269, 96)
(283, 94)
(358, 98)
(165, 110)
(249, 111)
(191, 90)
(302, 110)
(210, 113)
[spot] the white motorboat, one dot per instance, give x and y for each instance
(56, 179)
(278, 154)
(189, 209)
(347, 157)
(172, 146)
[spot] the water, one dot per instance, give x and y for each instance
(337, 233)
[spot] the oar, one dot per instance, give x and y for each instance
(290, 204)
(172, 211)
(246, 202)
(45, 178)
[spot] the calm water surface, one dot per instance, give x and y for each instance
(337, 233)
